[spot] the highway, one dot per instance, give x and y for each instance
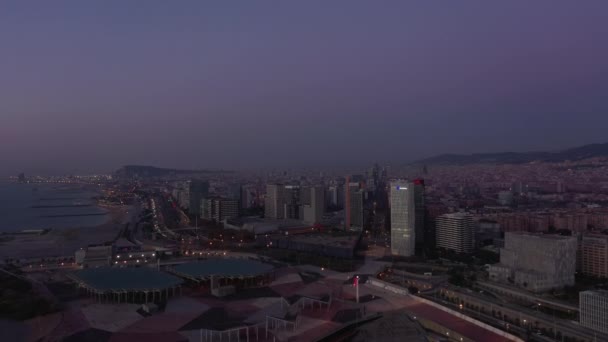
(495, 322)
(523, 313)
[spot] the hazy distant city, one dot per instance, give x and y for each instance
(479, 248)
(304, 171)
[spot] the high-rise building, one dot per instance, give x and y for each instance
(536, 262)
(375, 173)
(335, 196)
(305, 198)
(419, 212)
(357, 202)
(455, 231)
(403, 218)
(593, 307)
(351, 193)
(218, 209)
(407, 217)
(248, 196)
(347, 203)
(317, 202)
(198, 189)
(228, 208)
(181, 193)
(313, 212)
(282, 201)
(274, 202)
(291, 206)
(184, 198)
(208, 209)
(593, 255)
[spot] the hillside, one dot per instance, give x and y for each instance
(572, 154)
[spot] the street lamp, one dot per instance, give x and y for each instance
(357, 287)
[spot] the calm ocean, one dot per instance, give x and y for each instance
(39, 206)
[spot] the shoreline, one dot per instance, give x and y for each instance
(92, 189)
(32, 243)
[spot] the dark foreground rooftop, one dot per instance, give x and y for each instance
(214, 319)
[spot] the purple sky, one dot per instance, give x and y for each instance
(226, 84)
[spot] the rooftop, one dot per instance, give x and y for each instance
(401, 327)
(601, 293)
(542, 236)
(217, 319)
(130, 279)
(457, 215)
(223, 268)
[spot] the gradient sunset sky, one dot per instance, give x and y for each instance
(92, 85)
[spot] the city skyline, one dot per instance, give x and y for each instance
(535, 231)
(92, 87)
(304, 171)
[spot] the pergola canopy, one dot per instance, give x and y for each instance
(125, 279)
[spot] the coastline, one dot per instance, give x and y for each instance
(32, 244)
(50, 220)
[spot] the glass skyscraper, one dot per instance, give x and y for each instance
(407, 216)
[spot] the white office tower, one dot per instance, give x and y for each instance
(593, 307)
(456, 232)
(536, 262)
(403, 220)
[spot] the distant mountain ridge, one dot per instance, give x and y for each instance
(144, 171)
(573, 154)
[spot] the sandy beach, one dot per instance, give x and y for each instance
(63, 241)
